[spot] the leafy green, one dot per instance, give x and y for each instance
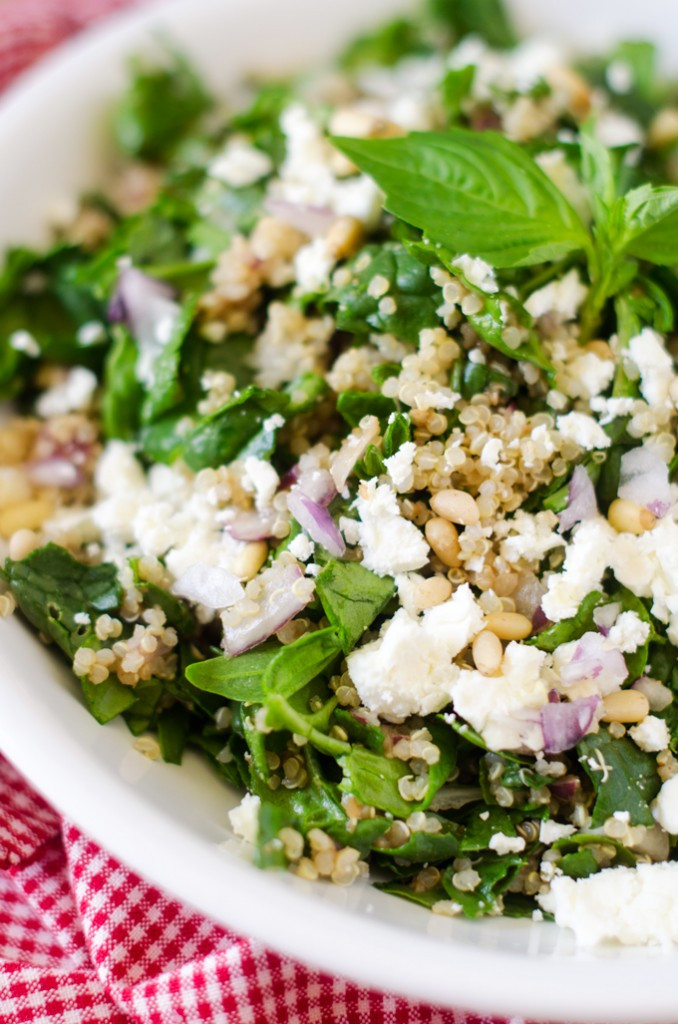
(397, 433)
(410, 287)
(387, 45)
(231, 431)
(485, 18)
(166, 389)
(122, 393)
(624, 777)
(174, 726)
(651, 224)
(427, 847)
(296, 664)
(261, 120)
(481, 824)
(580, 864)
(105, 701)
(570, 629)
(496, 874)
(474, 192)
(455, 88)
(352, 597)
(51, 588)
(159, 107)
(354, 405)
(239, 678)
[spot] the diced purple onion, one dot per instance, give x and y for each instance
(606, 616)
(592, 659)
(313, 221)
(147, 307)
(565, 723)
(565, 788)
(55, 472)
(248, 524)
(644, 479)
(317, 521)
(539, 620)
(353, 449)
(581, 500)
(210, 586)
(278, 604)
(318, 485)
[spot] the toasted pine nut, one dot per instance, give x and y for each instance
(457, 506)
(344, 237)
(444, 539)
(627, 517)
(625, 706)
(250, 560)
(487, 652)
(25, 514)
(663, 130)
(432, 591)
(509, 625)
(600, 348)
(22, 543)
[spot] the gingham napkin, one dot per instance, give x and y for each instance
(82, 938)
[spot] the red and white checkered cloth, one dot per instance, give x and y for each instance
(82, 938)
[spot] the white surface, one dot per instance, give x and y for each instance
(160, 818)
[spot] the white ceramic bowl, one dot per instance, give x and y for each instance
(169, 823)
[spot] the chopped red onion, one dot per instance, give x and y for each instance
(353, 449)
(592, 659)
(146, 306)
(539, 620)
(581, 500)
(54, 472)
(210, 586)
(279, 600)
(606, 615)
(644, 479)
(317, 521)
(311, 220)
(565, 723)
(528, 594)
(565, 788)
(318, 485)
(248, 524)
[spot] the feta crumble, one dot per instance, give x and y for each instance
(563, 297)
(245, 818)
(648, 353)
(501, 843)
(583, 430)
(665, 807)
(302, 547)
(390, 543)
(400, 467)
(72, 394)
(651, 735)
(628, 633)
(240, 164)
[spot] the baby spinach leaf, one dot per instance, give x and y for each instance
(239, 678)
(475, 192)
(373, 780)
(353, 405)
(481, 824)
(580, 864)
(414, 295)
(166, 389)
(426, 847)
(352, 597)
(159, 107)
(174, 727)
(261, 120)
(624, 777)
(570, 629)
(397, 433)
(496, 874)
(405, 890)
(370, 736)
(226, 434)
(281, 715)
(122, 393)
(270, 852)
(387, 45)
(296, 664)
(51, 588)
(105, 701)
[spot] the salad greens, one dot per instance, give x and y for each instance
(342, 450)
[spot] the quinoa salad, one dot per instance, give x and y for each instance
(339, 445)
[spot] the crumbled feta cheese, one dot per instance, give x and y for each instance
(245, 818)
(587, 375)
(491, 451)
(390, 543)
(302, 547)
(631, 906)
(477, 272)
(504, 708)
(652, 734)
(408, 670)
(24, 341)
(240, 164)
(71, 395)
(563, 297)
(615, 129)
(82, 619)
(313, 264)
(91, 333)
(655, 366)
(551, 831)
(528, 537)
(501, 843)
(583, 430)
(400, 467)
(619, 76)
(665, 807)
(628, 633)
(261, 480)
(274, 422)
(609, 409)
(586, 559)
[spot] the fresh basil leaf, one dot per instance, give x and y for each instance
(51, 588)
(570, 629)
(455, 88)
(386, 46)
(239, 678)
(475, 192)
(354, 405)
(159, 107)
(624, 777)
(415, 297)
(226, 434)
(651, 224)
(352, 597)
(298, 663)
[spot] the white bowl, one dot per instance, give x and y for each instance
(171, 824)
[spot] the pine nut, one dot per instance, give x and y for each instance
(627, 517)
(457, 506)
(487, 652)
(600, 348)
(625, 706)
(444, 539)
(344, 237)
(509, 625)
(433, 591)
(250, 560)
(22, 543)
(28, 515)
